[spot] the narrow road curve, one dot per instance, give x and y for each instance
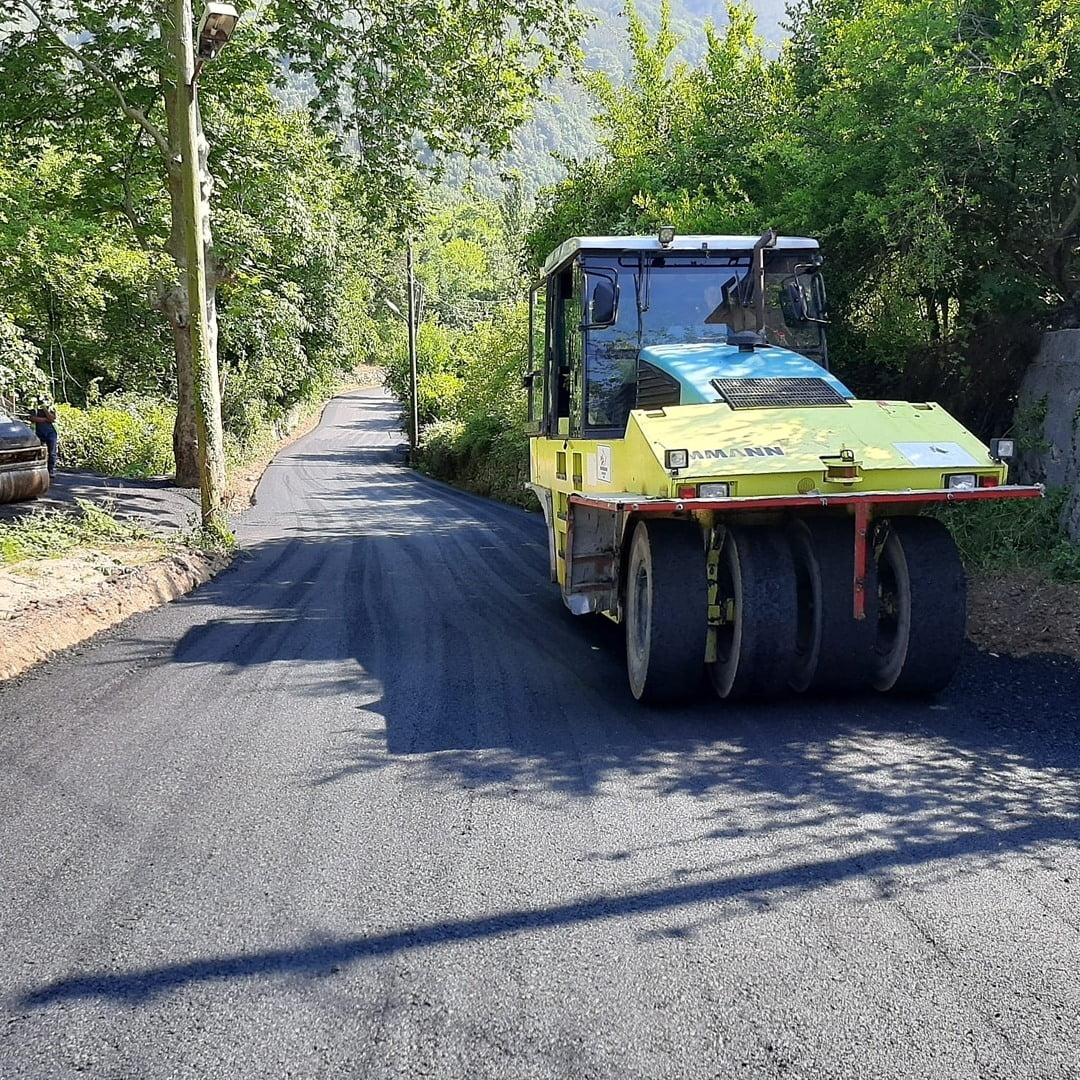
(371, 804)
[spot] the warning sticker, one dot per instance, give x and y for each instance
(603, 464)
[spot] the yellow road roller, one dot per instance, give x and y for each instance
(708, 482)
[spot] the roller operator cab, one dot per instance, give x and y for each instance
(707, 482)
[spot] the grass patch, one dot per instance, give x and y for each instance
(47, 534)
(1015, 534)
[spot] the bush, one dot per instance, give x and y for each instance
(478, 458)
(1011, 534)
(472, 406)
(120, 435)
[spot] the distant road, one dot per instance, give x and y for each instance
(371, 804)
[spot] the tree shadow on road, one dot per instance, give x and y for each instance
(441, 625)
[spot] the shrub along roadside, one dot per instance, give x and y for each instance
(1015, 534)
(494, 463)
(119, 435)
(472, 405)
(131, 435)
(46, 533)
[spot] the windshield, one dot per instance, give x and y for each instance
(701, 304)
(682, 299)
(690, 304)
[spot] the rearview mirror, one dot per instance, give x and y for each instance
(794, 302)
(802, 297)
(602, 303)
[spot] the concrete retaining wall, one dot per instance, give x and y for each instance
(1048, 420)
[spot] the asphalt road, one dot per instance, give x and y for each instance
(371, 804)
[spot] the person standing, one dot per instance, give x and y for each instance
(44, 420)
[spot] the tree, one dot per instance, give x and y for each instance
(388, 77)
(930, 145)
(74, 278)
(943, 175)
(681, 145)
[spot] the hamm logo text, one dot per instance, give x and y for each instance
(737, 452)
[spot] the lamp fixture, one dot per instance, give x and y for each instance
(215, 28)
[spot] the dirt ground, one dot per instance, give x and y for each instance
(52, 604)
(1019, 613)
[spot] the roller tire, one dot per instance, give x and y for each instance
(922, 608)
(755, 651)
(666, 611)
(834, 651)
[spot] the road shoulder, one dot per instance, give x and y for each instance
(93, 600)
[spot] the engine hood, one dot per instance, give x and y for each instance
(695, 366)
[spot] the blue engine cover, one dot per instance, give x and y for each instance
(694, 366)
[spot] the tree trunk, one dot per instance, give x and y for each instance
(185, 436)
(175, 308)
(190, 244)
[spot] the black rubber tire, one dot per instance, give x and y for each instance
(922, 610)
(755, 651)
(834, 651)
(666, 611)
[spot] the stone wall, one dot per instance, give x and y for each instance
(1048, 421)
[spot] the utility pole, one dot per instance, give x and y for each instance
(207, 388)
(414, 434)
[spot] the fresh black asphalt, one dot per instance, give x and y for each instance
(371, 804)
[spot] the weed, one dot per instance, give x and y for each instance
(1011, 534)
(45, 534)
(1029, 425)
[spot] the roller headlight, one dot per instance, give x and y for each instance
(1003, 449)
(676, 459)
(960, 481)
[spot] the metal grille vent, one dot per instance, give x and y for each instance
(776, 393)
(655, 388)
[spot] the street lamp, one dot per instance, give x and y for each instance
(215, 28)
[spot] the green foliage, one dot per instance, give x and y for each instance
(215, 539)
(92, 224)
(78, 279)
(930, 145)
(481, 458)
(74, 280)
(692, 147)
(20, 377)
(293, 231)
(1029, 424)
(121, 435)
(475, 437)
(481, 444)
(1010, 534)
(51, 533)
(471, 349)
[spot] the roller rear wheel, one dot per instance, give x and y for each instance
(666, 611)
(833, 649)
(755, 644)
(922, 607)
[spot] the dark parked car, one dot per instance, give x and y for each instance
(24, 472)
